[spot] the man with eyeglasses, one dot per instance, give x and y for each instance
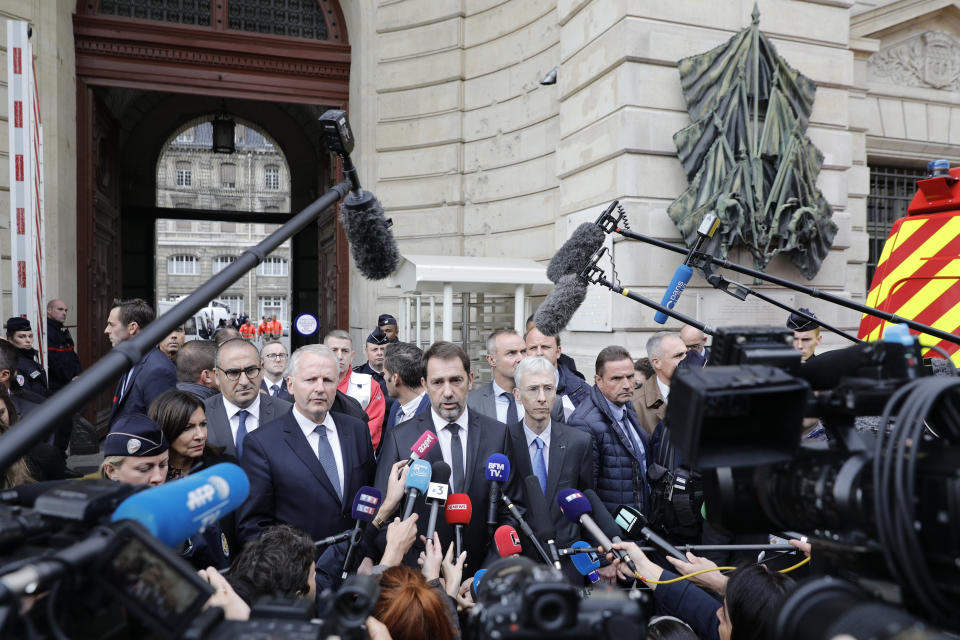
(239, 408)
(274, 356)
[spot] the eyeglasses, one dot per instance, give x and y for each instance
(275, 356)
(234, 374)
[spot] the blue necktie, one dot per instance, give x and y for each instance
(241, 430)
(539, 464)
(327, 460)
(637, 446)
(512, 417)
(274, 390)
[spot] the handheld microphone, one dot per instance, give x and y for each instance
(539, 514)
(556, 311)
(418, 480)
(340, 537)
(633, 522)
(680, 279)
(437, 493)
(708, 226)
(507, 541)
(609, 526)
(512, 508)
(498, 472)
(576, 507)
(365, 506)
(575, 549)
(586, 560)
(175, 511)
(575, 253)
(422, 446)
(475, 587)
(457, 514)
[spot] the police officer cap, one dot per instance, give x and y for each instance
(17, 323)
(386, 320)
(799, 323)
(135, 435)
(377, 336)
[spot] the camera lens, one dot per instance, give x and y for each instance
(549, 612)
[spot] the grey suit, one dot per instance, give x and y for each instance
(219, 433)
(483, 401)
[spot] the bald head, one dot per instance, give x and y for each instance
(57, 310)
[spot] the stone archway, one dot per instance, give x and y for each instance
(138, 78)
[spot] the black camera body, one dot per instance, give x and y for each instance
(521, 599)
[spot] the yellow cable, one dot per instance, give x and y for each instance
(796, 566)
(696, 573)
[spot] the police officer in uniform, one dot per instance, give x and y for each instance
(63, 363)
(30, 375)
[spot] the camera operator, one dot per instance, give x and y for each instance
(278, 563)
(749, 609)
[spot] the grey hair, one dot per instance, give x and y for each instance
(532, 364)
(232, 342)
(339, 333)
(321, 350)
(655, 344)
(492, 340)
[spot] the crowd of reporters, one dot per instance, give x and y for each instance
(307, 461)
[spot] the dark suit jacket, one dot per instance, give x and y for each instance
(570, 467)
(423, 407)
(218, 427)
(485, 437)
(287, 483)
(482, 401)
(284, 392)
(153, 375)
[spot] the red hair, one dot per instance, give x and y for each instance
(410, 608)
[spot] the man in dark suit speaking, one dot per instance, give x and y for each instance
(558, 455)
(306, 466)
(465, 440)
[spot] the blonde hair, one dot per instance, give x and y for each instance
(114, 461)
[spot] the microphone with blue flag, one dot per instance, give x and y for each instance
(418, 480)
(586, 563)
(681, 277)
(365, 506)
(497, 473)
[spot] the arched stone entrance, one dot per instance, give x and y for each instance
(142, 72)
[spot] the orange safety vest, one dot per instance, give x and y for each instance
(248, 331)
(264, 328)
(275, 327)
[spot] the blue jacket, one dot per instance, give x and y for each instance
(153, 375)
(395, 409)
(617, 472)
(571, 385)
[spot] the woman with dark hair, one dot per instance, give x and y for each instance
(184, 423)
(749, 610)
(19, 472)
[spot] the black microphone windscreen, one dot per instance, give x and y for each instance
(372, 245)
(26, 495)
(556, 311)
(601, 515)
(575, 253)
(440, 473)
(538, 513)
(824, 370)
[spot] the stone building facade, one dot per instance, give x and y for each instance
(471, 155)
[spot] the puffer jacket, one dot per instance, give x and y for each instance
(618, 473)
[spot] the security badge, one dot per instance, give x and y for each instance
(20, 379)
(224, 545)
(133, 445)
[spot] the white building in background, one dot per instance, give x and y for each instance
(254, 178)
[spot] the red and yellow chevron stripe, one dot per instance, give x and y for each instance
(918, 277)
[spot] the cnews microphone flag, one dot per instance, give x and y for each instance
(366, 503)
(458, 509)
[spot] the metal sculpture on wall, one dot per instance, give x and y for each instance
(746, 156)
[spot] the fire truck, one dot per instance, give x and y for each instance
(918, 272)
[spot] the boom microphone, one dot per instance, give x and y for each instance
(576, 507)
(175, 511)
(365, 506)
(457, 514)
(586, 562)
(558, 308)
(507, 541)
(498, 472)
(418, 481)
(437, 493)
(680, 279)
(372, 245)
(575, 253)
(422, 446)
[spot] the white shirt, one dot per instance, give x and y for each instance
(407, 410)
(253, 420)
(664, 388)
(532, 448)
(503, 404)
(444, 438)
(564, 400)
(309, 427)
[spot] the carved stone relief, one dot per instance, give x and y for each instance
(930, 59)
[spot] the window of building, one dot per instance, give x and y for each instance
(183, 265)
(184, 225)
(891, 190)
(222, 262)
(184, 174)
(235, 303)
(270, 305)
(228, 227)
(271, 174)
(272, 266)
(228, 175)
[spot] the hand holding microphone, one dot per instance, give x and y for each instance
(576, 507)
(365, 506)
(418, 481)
